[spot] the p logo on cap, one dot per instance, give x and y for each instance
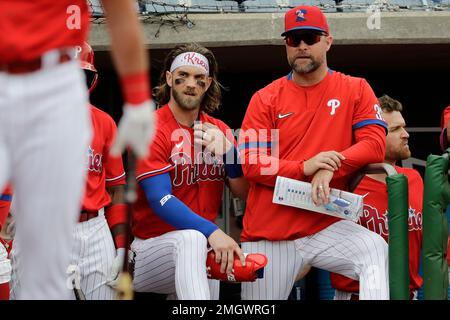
(300, 14)
(305, 18)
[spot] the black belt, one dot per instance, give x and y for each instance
(87, 215)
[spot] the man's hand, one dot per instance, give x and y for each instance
(212, 138)
(320, 187)
(329, 160)
(225, 247)
(136, 128)
(116, 268)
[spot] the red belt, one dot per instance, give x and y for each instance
(87, 215)
(20, 67)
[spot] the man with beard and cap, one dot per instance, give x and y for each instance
(375, 213)
(181, 183)
(319, 126)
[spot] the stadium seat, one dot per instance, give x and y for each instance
(265, 5)
(406, 4)
(95, 8)
(163, 6)
(210, 6)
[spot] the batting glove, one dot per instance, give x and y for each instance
(136, 128)
(116, 268)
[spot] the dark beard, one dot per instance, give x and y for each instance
(186, 103)
(312, 66)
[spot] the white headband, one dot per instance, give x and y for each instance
(193, 59)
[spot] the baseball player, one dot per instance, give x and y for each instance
(444, 140)
(96, 256)
(181, 183)
(374, 216)
(45, 129)
(5, 264)
(316, 125)
(445, 134)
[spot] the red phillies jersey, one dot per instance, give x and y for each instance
(445, 117)
(330, 115)
(103, 169)
(5, 204)
(29, 28)
(197, 185)
(374, 218)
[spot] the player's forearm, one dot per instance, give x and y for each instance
(158, 191)
(239, 187)
(116, 215)
(117, 194)
(264, 169)
(369, 148)
(128, 51)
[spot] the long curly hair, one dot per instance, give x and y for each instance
(213, 95)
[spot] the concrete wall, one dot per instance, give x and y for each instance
(249, 29)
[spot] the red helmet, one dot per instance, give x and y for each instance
(253, 269)
(86, 56)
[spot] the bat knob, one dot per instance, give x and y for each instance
(124, 287)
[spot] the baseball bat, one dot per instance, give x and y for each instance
(79, 295)
(125, 282)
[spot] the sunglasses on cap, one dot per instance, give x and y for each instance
(310, 38)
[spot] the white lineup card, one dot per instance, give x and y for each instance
(294, 193)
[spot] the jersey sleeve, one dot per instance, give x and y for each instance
(369, 132)
(367, 109)
(256, 143)
(115, 174)
(158, 160)
(5, 205)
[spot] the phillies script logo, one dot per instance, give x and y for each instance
(414, 219)
(372, 220)
(189, 173)
(94, 161)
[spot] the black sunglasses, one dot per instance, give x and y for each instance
(293, 40)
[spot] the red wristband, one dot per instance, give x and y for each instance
(116, 214)
(120, 241)
(136, 87)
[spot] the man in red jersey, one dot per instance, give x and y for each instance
(103, 204)
(5, 264)
(320, 126)
(374, 216)
(181, 183)
(444, 140)
(45, 130)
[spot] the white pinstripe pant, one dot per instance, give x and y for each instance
(344, 247)
(93, 254)
(174, 263)
(44, 133)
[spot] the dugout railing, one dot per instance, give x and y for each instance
(435, 228)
